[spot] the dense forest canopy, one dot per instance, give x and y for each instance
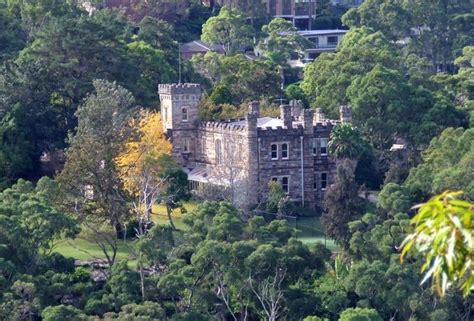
(85, 167)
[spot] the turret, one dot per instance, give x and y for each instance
(179, 105)
(180, 116)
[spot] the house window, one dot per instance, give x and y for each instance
(218, 151)
(324, 146)
(285, 180)
(315, 146)
(332, 41)
(184, 114)
(324, 181)
(186, 145)
(284, 151)
(274, 151)
(315, 41)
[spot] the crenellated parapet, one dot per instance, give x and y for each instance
(177, 89)
(227, 126)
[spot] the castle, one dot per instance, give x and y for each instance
(242, 156)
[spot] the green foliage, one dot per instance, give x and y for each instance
(443, 234)
(228, 29)
(359, 314)
(447, 164)
(238, 77)
(30, 224)
(62, 312)
(328, 77)
(274, 196)
(342, 204)
(280, 39)
(346, 142)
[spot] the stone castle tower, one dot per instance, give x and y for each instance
(180, 115)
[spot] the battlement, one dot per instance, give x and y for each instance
(173, 89)
(222, 126)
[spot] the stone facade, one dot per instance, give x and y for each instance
(242, 156)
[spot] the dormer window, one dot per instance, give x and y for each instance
(184, 114)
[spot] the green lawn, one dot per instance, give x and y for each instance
(310, 231)
(82, 249)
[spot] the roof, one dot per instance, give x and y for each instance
(263, 122)
(199, 46)
(322, 32)
(203, 174)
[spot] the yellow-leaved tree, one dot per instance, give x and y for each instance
(141, 163)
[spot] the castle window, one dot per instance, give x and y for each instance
(324, 146)
(186, 145)
(274, 151)
(324, 181)
(285, 184)
(315, 182)
(315, 146)
(284, 151)
(218, 151)
(184, 114)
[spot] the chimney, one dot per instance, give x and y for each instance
(319, 116)
(254, 108)
(308, 120)
(296, 108)
(285, 115)
(252, 116)
(345, 114)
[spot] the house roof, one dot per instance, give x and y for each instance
(308, 33)
(199, 46)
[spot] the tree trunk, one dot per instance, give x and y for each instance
(169, 210)
(142, 276)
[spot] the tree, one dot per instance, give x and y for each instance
(89, 179)
(62, 312)
(141, 164)
(280, 40)
(360, 314)
(176, 189)
(437, 30)
(446, 164)
(380, 100)
(341, 204)
(241, 78)
(327, 78)
(228, 29)
(346, 142)
(30, 225)
(443, 234)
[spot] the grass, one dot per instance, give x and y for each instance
(83, 250)
(309, 229)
